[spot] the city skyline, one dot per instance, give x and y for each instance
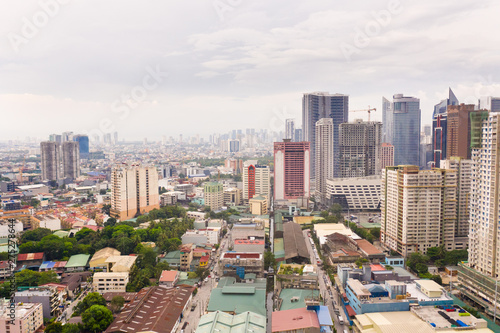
(250, 59)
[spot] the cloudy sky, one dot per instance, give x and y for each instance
(153, 68)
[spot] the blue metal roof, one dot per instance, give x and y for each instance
(47, 264)
(324, 316)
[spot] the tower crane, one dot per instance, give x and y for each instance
(369, 110)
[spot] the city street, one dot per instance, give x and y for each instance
(329, 294)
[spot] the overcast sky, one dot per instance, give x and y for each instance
(231, 64)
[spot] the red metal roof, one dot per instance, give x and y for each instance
(294, 319)
(350, 311)
(30, 256)
(241, 255)
(377, 267)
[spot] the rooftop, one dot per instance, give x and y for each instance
(221, 322)
(168, 276)
(297, 294)
(78, 260)
(30, 256)
(241, 255)
(294, 319)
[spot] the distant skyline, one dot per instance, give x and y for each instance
(218, 65)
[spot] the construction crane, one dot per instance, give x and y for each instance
(369, 110)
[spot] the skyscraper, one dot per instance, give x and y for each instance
(489, 103)
(70, 159)
(83, 143)
(323, 157)
(213, 193)
(359, 147)
(256, 180)
(319, 105)
(458, 130)
(298, 135)
(292, 161)
(134, 191)
(234, 146)
(55, 138)
(440, 128)
(479, 275)
(419, 209)
(402, 128)
(50, 160)
(290, 129)
(386, 155)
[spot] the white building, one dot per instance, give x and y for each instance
(419, 209)
(324, 157)
(110, 282)
(201, 237)
(256, 180)
(49, 222)
(28, 317)
(5, 227)
(356, 193)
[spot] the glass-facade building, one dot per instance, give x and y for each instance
(439, 128)
(83, 143)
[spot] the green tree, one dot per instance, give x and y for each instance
(437, 278)
(360, 261)
(324, 214)
(90, 300)
(97, 318)
(110, 222)
(71, 328)
(34, 202)
(421, 268)
(269, 260)
(29, 278)
(336, 210)
(35, 235)
(117, 303)
(55, 327)
(106, 209)
(102, 191)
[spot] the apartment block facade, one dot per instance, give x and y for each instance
(324, 157)
(213, 193)
(256, 180)
(291, 169)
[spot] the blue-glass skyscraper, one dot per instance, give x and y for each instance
(83, 143)
(401, 128)
(439, 127)
(318, 105)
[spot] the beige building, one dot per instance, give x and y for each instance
(186, 252)
(256, 180)
(120, 263)
(110, 282)
(233, 196)
(324, 157)
(28, 317)
(134, 191)
(258, 205)
(213, 193)
(419, 209)
(99, 258)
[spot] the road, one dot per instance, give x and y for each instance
(329, 294)
(66, 315)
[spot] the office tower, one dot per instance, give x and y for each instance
(359, 147)
(419, 209)
(319, 105)
(115, 138)
(71, 159)
(402, 128)
(67, 136)
(426, 151)
(324, 157)
(234, 146)
(290, 129)
(134, 191)
(489, 103)
(55, 138)
(428, 130)
(298, 135)
(107, 138)
(292, 161)
(463, 167)
(213, 193)
(386, 155)
(256, 180)
(440, 129)
(478, 276)
(50, 160)
(458, 130)
(83, 145)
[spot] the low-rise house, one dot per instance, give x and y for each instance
(75, 282)
(30, 260)
(168, 279)
(77, 263)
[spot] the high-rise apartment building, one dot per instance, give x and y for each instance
(213, 193)
(55, 138)
(440, 128)
(386, 155)
(256, 180)
(134, 191)
(292, 161)
(401, 119)
(419, 209)
(359, 147)
(463, 167)
(71, 159)
(50, 160)
(234, 146)
(298, 135)
(67, 136)
(458, 131)
(478, 276)
(319, 105)
(324, 157)
(290, 129)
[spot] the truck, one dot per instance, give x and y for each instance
(341, 320)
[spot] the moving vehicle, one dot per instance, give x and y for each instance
(193, 306)
(341, 320)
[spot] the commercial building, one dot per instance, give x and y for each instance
(83, 145)
(110, 282)
(489, 103)
(50, 160)
(419, 209)
(28, 317)
(359, 148)
(295, 244)
(232, 262)
(324, 157)
(134, 191)
(70, 159)
(290, 129)
(291, 170)
(258, 205)
(236, 298)
(146, 313)
(318, 105)
(201, 236)
(299, 320)
(213, 193)
(185, 257)
(297, 276)
(401, 128)
(217, 321)
(49, 297)
(386, 155)
(440, 128)
(233, 196)
(249, 245)
(169, 198)
(256, 180)
(458, 131)
(479, 276)
(355, 193)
